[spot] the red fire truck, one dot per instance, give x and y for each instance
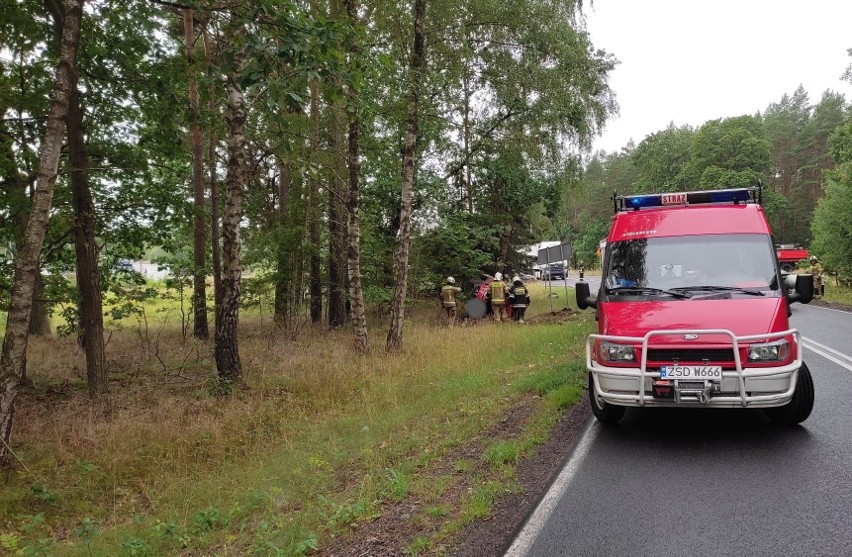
(789, 256)
(693, 310)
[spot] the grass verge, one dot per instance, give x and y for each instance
(319, 444)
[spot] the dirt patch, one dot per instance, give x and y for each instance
(831, 305)
(391, 533)
(563, 316)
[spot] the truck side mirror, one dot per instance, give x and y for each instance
(585, 300)
(804, 292)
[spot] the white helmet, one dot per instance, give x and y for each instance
(498, 276)
(516, 278)
(451, 280)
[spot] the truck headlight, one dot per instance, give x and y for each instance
(775, 351)
(616, 352)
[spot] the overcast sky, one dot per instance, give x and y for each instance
(689, 61)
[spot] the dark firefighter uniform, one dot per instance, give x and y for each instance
(519, 298)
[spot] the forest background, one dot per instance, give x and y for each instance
(324, 164)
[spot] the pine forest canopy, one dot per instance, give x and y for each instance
(788, 147)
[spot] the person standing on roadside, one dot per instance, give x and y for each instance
(819, 282)
(519, 298)
(497, 292)
(448, 300)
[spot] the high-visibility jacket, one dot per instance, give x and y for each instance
(816, 270)
(519, 296)
(498, 292)
(448, 295)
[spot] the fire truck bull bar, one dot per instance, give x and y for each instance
(624, 386)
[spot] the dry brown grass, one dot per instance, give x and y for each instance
(317, 420)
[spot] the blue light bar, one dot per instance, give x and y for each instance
(736, 196)
(726, 196)
(640, 201)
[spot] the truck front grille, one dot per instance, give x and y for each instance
(683, 355)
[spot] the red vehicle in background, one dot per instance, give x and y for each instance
(693, 311)
(789, 256)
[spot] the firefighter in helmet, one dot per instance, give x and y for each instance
(819, 282)
(497, 292)
(519, 297)
(449, 301)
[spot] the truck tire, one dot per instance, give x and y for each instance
(605, 413)
(799, 408)
(787, 267)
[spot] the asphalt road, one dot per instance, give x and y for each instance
(713, 482)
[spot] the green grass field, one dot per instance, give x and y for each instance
(316, 445)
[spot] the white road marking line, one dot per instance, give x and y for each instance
(528, 534)
(828, 349)
(828, 353)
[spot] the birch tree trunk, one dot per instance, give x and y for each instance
(356, 293)
(16, 190)
(26, 263)
(200, 329)
(409, 153)
(228, 313)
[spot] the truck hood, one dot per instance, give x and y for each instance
(742, 316)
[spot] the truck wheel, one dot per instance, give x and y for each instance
(605, 413)
(799, 408)
(787, 267)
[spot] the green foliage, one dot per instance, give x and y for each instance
(418, 546)
(458, 248)
(209, 519)
(587, 242)
(660, 159)
(344, 515)
(44, 494)
(832, 223)
(396, 485)
(135, 547)
(566, 396)
(87, 531)
(549, 380)
(502, 453)
(732, 152)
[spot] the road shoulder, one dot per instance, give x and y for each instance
(492, 536)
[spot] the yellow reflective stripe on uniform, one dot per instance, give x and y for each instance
(448, 295)
(497, 293)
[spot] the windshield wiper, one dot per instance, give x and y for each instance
(721, 288)
(648, 290)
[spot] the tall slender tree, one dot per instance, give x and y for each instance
(14, 350)
(227, 351)
(356, 291)
(212, 145)
(199, 244)
(409, 158)
(87, 254)
(313, 220)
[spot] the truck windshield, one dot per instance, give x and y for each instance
(730, 262)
